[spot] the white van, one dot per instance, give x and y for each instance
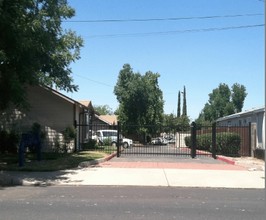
(112, 135)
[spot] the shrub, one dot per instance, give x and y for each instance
(3, 141)
(204, 142)
(107, 141)
(8, 142)
(69, 134)
(188, 141)
(36, 129)
(226, 143)
(12, 144)
(91, 144)
(57, 144)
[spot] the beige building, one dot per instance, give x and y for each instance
(54, 112)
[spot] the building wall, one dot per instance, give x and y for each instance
(49, 109)
(53, 112)
(256, 118)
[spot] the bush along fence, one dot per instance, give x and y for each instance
(227, 141)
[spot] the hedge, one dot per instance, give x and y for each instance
(8, 141)
(227, 143)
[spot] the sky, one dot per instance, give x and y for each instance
(193, 43)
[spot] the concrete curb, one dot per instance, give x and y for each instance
(226, 159)
(109, 157)
(8, 180)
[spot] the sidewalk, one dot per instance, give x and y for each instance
(205, 172)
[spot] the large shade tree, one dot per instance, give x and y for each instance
(34, 48)
(103, 109)
(238, 96)
(223, 101)
(140, 98)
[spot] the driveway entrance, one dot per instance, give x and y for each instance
(160, 142)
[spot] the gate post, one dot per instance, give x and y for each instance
(193, 139)
(118, 145)
(250, 153)
(214, 140)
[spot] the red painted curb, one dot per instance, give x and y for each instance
(226, 159)
(222, 158)
(109, 157)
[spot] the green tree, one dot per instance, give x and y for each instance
(200, 121)
(223, 101)
(34, 48)
(238, 96)
(172, 123)
(103, 109)
(184, 112)
(178, 106)
(170, 120)
(140, 98)
(183, 123)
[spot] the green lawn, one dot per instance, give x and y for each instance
(49, 162)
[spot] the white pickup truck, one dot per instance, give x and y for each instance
(102, 135)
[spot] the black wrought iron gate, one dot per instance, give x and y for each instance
(164, 142)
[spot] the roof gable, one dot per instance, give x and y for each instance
(108, 119)
(66, 98)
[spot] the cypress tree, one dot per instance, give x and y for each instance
(178, 106)
(184, 103)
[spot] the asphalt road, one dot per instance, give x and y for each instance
(120, 203)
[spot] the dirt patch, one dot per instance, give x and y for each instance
(252, 164)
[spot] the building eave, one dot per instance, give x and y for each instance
(241, 114)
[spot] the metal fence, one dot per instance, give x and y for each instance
(154, 140)
(225, 140)
(89, 140)
(168, 141)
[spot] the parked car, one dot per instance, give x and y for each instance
(159, 141)
(169, 138)
(111, 135)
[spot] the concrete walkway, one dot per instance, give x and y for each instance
(205, 172)
(165, 177)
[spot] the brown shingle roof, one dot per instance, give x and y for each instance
(86, 103)
(110, 119)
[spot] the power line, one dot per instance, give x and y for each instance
(145, 34)
(98, 82)
(162, 19)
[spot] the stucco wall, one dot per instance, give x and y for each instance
(52, 111)
(256, 118)
(48, 109)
